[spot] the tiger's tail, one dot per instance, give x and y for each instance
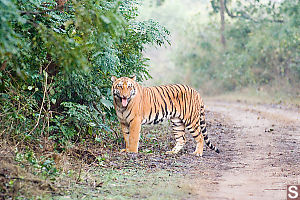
(205, 135)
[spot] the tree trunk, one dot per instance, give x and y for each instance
(222, 9)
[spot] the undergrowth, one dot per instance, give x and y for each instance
(91, 171)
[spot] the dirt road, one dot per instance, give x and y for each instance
(260, 152)
(260, 155)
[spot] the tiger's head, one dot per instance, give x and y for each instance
(124, 90)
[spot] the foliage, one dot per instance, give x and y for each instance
(41, 166)
(262, 48)
(56, 59)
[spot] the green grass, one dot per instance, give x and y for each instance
(129, 183)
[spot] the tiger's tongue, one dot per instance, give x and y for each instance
(124, 102)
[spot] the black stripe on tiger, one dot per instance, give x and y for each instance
(150, 114)
(156, 118)
(166, 107)
(195, 136)
(128, 114)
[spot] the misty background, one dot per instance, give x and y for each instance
(259, 54)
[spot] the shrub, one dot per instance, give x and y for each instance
(56, 60)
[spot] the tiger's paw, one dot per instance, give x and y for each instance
(170, 152)
(176, 149)
(123, 150)
(197, 153)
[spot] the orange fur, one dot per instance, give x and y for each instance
(136, 105)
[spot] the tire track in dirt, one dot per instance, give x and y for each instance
(266, 146)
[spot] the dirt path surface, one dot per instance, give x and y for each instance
(259, 155)
(260, 152)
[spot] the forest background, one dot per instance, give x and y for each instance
(57, 57)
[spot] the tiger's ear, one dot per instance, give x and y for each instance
(133, 77)
(113, 78)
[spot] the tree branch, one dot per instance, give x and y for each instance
(246, 16)
(44, 95)
(3, 65)
(57, 8)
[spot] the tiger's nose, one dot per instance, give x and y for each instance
(125, 96)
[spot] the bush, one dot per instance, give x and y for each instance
(56, 60)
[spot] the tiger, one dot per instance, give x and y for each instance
(182, 105)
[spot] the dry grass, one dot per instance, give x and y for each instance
(261, 96)
(18, 180)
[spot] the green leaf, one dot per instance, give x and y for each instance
(92, 124)
(52, 92)
(105, 19)
(53, 101)
(106, 103)
(97, 139)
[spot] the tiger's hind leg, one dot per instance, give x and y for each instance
(199, 146)
(197, 135)
(178, 130)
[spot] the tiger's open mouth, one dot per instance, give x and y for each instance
(124, 101)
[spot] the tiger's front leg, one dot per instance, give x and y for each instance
(125, 131)
(134, 135)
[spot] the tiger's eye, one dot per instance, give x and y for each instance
(130, 85)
